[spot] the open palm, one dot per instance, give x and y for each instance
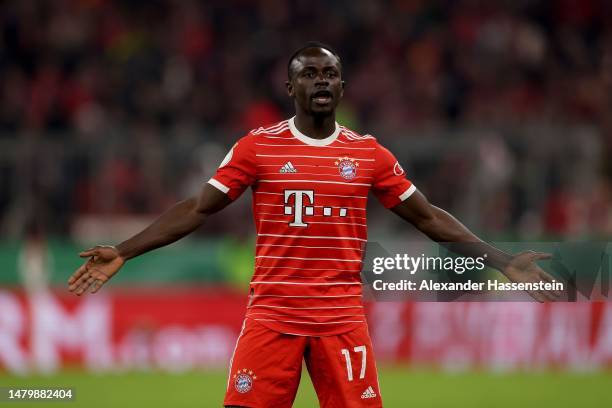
(523, 269)
(103, 263)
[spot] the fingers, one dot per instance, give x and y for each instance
(78, 284)
(90, 252)
(537, 295)
(96, 285)
(543, 294)
(539, 277)
(542, 255)
(92, 281)
(544, 276)
(85, 285)
(547, 278)
(85, 278)
(548, 295)
(75, 277)
(77, 274)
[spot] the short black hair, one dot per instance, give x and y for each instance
(308, 45)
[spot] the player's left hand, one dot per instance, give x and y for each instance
(523, 268)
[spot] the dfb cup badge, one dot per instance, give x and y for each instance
(243, 380)
(397, 169)
(347, 167)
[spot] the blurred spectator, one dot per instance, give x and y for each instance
(130, 89)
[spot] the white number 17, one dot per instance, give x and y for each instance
(349, 367)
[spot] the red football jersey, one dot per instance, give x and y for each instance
(309, 204)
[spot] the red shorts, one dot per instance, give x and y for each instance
(266, 367)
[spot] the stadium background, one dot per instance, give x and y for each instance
(500, 111)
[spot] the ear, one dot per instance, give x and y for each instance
(289, 87)
(343, 86)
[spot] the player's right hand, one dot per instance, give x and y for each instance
(103, 263)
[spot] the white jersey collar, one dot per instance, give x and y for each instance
(309, 140)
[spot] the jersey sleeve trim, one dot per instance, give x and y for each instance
(220, 186)
(407, 193)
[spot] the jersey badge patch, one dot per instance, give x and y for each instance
(347, 167)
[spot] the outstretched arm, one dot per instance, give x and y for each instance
(178, 221)
(442, 227)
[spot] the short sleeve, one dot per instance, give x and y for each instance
(237, 171)
(390, 184)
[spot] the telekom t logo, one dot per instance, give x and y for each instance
(300, 207)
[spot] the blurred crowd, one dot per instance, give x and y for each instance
(123, 107)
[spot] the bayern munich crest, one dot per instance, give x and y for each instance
(243, 380)
(347, 167)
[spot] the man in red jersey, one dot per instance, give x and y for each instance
(310, 179)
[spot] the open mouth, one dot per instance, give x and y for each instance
(322, 97)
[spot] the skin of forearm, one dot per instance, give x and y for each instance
(445, 229)
(440, 226)
(178, 221)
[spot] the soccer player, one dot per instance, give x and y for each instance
(310, 179)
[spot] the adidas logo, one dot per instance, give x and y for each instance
(368, 393)
(288, 168)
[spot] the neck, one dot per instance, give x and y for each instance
(314, 126)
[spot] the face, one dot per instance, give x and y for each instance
(316, 84)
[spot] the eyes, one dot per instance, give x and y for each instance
(312, 74)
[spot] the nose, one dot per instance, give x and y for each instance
(321, 79)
